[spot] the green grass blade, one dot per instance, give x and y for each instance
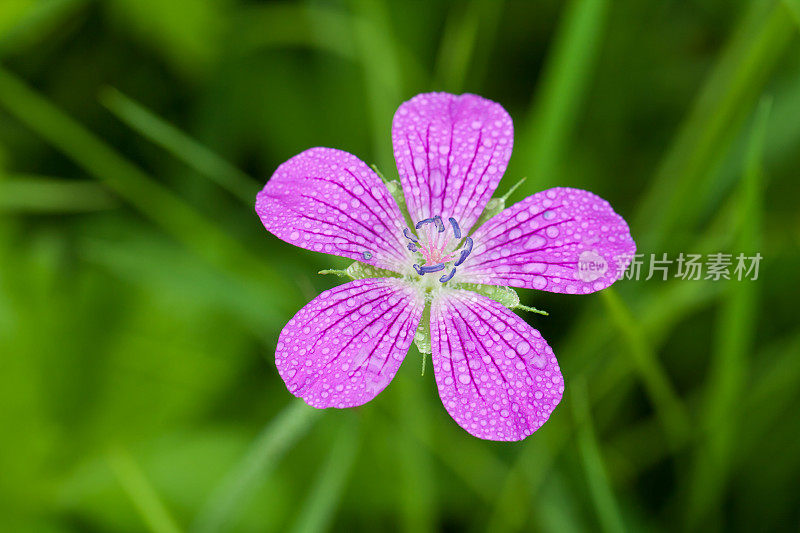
(734, 341)
(262, 457)
(170, 212)
(39, 20)
(383, 75)
(318, 27)
(794, 9)
(686, 175)
(42, 194)
(141, 493)
(180, 145)
(457, 48)
(544, 136)
(416, 494)
(599, 487)
(471, 461)
(533, 462)
(657, 383)
(318, 510)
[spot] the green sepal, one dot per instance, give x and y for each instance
(495, 205)
(422, 337)
(359, 270)
(505, 295)
(396, 190)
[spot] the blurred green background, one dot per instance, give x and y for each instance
(141, 299)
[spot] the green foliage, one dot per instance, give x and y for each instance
(141, 300)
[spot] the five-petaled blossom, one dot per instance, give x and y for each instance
(496, 375)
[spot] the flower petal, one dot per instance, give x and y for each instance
(330, 201)
(497, 376)
(346, 345)
(559, 240)
(451, 152)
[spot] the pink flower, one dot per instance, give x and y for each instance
(496, 375)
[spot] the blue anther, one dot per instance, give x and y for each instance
(428, 269)
(448, 277)
(411, 246)
(423, 222)
(410, 236)
(366, 255)
(456, 229)
(439, 224)
(465, 253)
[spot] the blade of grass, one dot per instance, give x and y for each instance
(734, 340)
(533, 462)
(544, 136)
(794, 9)
(318, 509)
(382, 72)
(43, 194)
(774, 386)
(471, 461)
(141, 493)
(459, 40)
(282, 24)
(40, 19)
(143, 192)
(658, 385)
(416, 487)
(605, 504)
(317, 27)
(180, 145)
(686, 174)
(261, 458)
(560, 510)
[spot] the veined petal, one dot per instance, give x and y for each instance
(559, 240)
(451, 152)
(346, 345)
(496, 375)
(330, 201)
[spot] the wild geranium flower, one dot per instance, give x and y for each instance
(439, 256)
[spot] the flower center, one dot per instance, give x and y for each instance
(437, 247)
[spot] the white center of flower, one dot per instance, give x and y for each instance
(437, 247)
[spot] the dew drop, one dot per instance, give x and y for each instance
(535, 242)
(437, 182)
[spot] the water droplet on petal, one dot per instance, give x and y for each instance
(535, 242)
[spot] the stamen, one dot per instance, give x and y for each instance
(427, 269)
(434, 247)
(465, 252)
(423, 222)
(456, 229)
(448, 277)
(410, 236)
